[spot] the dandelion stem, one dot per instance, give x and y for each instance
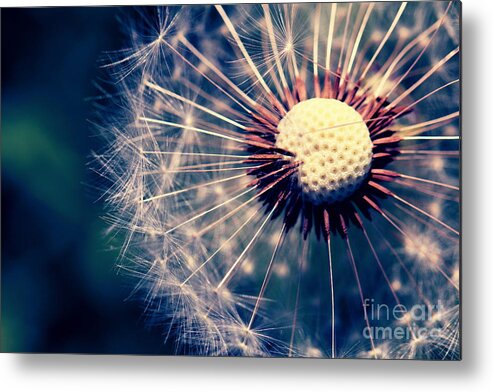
(302, 260)
(425, 77)
(190, 128)
(192, 103)
(456, 188)
(360, 290)
(430, 137)
(360, 34)
(218, 72)
(209, 210)
(330, 35)
(221, 247)
(385, 38)
(267, 275)
(247, 57)
(183, 190)
(425, 124)
(332, 300)
(231, 271)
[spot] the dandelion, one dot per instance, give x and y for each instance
(275, 166)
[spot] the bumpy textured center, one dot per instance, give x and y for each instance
(333, 143)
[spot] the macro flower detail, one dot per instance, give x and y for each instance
(333, 144)
(287, 177)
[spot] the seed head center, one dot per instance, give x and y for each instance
(333, 143)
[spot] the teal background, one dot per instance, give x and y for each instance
(60, 288)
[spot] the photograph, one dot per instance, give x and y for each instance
(252, 180)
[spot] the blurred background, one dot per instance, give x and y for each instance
(60, 290)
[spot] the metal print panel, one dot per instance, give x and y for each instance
(263, 180)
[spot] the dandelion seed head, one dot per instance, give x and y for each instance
(272, 164)
(333, 143)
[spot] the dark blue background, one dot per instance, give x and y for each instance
(60, 289)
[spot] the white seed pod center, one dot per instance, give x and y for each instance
(333, 143)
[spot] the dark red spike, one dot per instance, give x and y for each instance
(373, 204)
(278, 106)
(380, 188)
(289, 98)
(300, 89)
(271, 126)
(376, 109)
(335, 84)
(401, 111)
(357, 217)
(316, 86)
(326, 222)
(381, 155)
(357, 104)
(268, 115)
(307, 220)
(342, 90)
(263, 157)
(260, 145)
(326, 93)
(343, 225)
(350, 97)
(387, 140)
(284, 167)
(257, 139)
(306, 227)
(386, 172)
(382, 178)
